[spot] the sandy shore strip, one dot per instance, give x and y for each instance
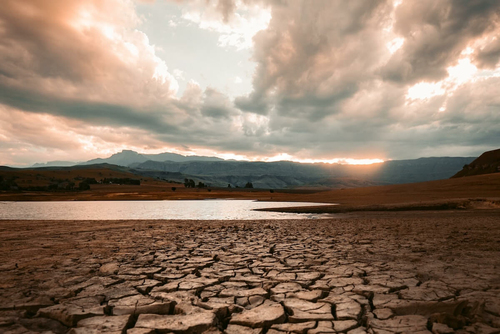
(386, 272)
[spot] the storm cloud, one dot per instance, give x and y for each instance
(332, 79)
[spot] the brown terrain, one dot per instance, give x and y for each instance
(430, 263)
(418, 272)
(488, 162)
(149, 189)
(474, 192)
(477, 187)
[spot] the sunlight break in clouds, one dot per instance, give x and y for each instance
(342, 161)
(425, 90)
(463, 72)
(238, 29)
(459, 74)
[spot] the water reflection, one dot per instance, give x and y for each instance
(113, 210)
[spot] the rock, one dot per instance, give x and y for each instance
(119, 291)
(438, 328)
(303, 311)
(255, 301)
(107, 323)
(344, 281)
(429, 291)
(191, 323)
(197, 283)
(43, 325)
(405, 323)
(188, 308)
(141, 331)
(294, 328)
(383, 313)
(425, 308)
(482, 329)
(145, 286)
(262, 316)
(362, 330)
(213, 330)
(237, 329)
(7, 321)
(84, 330)
(140, 304)
(324, 327)
(243, 293)
(308, 276)
(169, 287)
(308, 295)
(69, 313)
(28, 305)
(344, 325)
(350, 310)
(109, 269)
(286, 287)
(148, 271)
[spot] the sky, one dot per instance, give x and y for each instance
(325, 80)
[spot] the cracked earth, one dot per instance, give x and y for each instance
(376, 273)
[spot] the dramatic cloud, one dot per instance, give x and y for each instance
(363, 76)
(332, 79)
(435, 35)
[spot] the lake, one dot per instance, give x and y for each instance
(115, 210)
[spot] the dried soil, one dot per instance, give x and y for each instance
(391, 272)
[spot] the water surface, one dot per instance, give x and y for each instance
(113, 210)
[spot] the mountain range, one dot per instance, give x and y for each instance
(286, 174)
(128, 157)
(282, 174)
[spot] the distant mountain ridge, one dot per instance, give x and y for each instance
(55, 163)
(281, 174)
(487, 163)
(128, 157)
(285, 174)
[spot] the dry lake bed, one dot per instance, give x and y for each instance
(405, 272)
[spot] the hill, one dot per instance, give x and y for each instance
(38, 179)
(56, 163)
(475, 192)
(480, 186)
(127, 158)
(487, 163)
(277, 175)
(287, 174)
(480, 189)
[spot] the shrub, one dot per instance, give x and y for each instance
(84, 186)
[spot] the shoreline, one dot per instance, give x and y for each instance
(448, 205)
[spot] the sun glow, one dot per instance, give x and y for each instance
(342, 161)
(462, 72)
(275, 158)
(395, 45)
(425, 90)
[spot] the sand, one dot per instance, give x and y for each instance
(388, 272)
